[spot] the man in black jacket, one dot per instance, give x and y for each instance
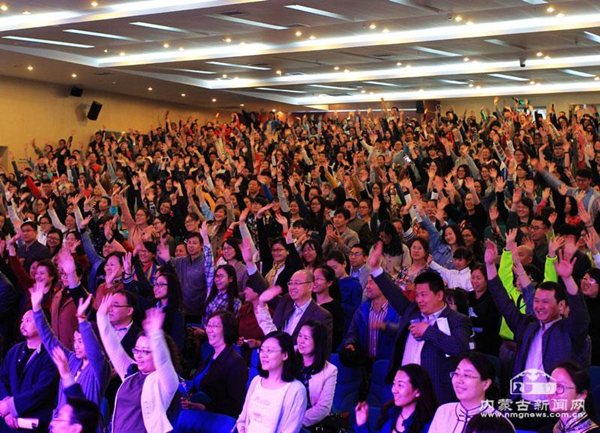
(430, 333)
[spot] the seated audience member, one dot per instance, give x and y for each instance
(572, 400)
(483, 313)
(430, 334)
(223, 294)
(460, 276)
(220, 382)
(116, 274)
(250, 334)
(373, 326)
(316, 373)
(28, 380)
(327, 294)
(147, 393)
(489, 424)
(30, 249)
(168, 297)
(396, 255)
(276, 400)
(411, 409)
(78, 415)
(350, 287)
(473, 383)
(359, 254)
(293, 309)
(121, 313)
(339, 236)
(590, 287)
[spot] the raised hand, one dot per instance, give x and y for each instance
(246, 248)
(37, 296)
(564, 266)
(362, 413)
(491, 252)
(376, 256)
(269, 295)
(584, 215)
(494, 214)
(282, 220)
(511, 236)
(153, 323)
(554, 245)
(65, 261)
(61, 362)
(244, 215)
(105, 305)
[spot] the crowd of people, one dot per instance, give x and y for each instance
(236, 270)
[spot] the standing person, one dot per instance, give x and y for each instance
(430, 334)
(276, 400)
(483, 313)
(146, 394)
(167, 296)
(223, 294)
(358, 257)
(473, 382)
(412, 408)
(30, 249)
(28, 380)
(350, 288)
(317, 374)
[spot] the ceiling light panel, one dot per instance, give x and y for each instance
(47, 42)
(98, 35)
(324, 86)
(269, 89)
(578, 73)
(158, 27)
(509, 77)
(246, 22)
(434, 51)
(233, 65)
(320, 12)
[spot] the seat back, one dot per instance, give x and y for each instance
(196, 421)
(379, 391)
(347, 387)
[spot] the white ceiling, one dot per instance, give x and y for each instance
(424, 36)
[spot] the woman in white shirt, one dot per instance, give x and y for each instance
(316, 373)
(473, 382)
(276, 400)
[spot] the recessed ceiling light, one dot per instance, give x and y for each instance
(241, 105)
(370, 93)
(597, 79)
(228, 40)
(94, 4)
(325, 86)
(470, 84)
(224, 75)
(539, 54)
(273, 110)
(234, 65)
(47, 42)
(181, 49)
(166, 45)
(3, 7)
(319, 12)
(550, 9)
(298, 33)
(577, 73)
(560, 15)
(158, 27)
(106, 50)
(363, 91)
(408, 66)
(421, 90)
(122, 53)
(214, 99)
(458, 18)
(336, 68)
(478, 87)
(312, 37)
(243, 43)
(466, 59)
(346, 70)
(278, 72)
(97, 34)
(236, 78)
(547, 57)
(508, 77)
(183, 95)
(532, 82)
(434, 51)
(26, 12)
(373, 26)
(469, 23)
(30, 68)
(74, 75)
(399, 64)
(149, 89)
(386, 30)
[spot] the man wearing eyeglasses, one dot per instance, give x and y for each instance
(121, 315)
(538, 230)
(77, 416)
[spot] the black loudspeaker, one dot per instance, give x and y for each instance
(94, 111)
(420, 106)
(76, 91)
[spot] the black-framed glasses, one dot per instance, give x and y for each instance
(143, 352)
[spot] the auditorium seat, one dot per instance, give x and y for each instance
(379, 391)
(348, 386)
(197, 421)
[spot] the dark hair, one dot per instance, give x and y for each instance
(459, 237)
(424, 243)
(174, 291)
(52, 269)
(394, 248)
(301, 223)
(337, 256)
(584, 172)
(235, 244)
(481, 268)
(315, 245)
(318, 331)
(435, 281)
(459, 296)
(542, 220)
(132, 300)
(559, 291)
(581, 379)
(491, 423)
(351, 200)
(290, 365)
(85, 413)
(362, 247)
(463, 253)
(427, 402)
(344, 212)
(151, 247)
(315, 220)
(232, 287)
(329, 274)
(79, 250)
(487, 371)
(31, 224)
(230, 325)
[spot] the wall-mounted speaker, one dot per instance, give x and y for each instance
(94, 111)
(420, 106)
(76, 92)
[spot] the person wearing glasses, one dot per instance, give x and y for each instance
(572, 400)
(411, 409)
(168, 297)
(121, 312)
(292, 310)
(150, 380)
(473, 383)
(590, 284)
(538, 231)
(276, 401)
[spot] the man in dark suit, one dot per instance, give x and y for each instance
(430, 333)
(30, 249)
(28, 381)
(121, 314)
(292, 310)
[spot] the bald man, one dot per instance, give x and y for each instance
(525, 254)
(292, 310)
